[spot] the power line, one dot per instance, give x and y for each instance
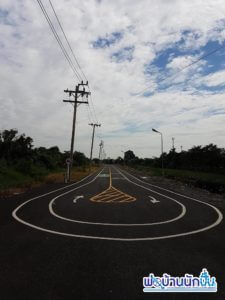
(185, 67)
(88, 114)
(92, 104)
(67, 56)
(60, 25)
(58, 38)
(91, 101)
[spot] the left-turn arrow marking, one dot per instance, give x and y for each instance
(77, 197)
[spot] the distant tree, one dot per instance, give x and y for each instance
(129, 155)
(119, 160)
(14, 146)
(79, 159)
(108, 160)
(96, 161)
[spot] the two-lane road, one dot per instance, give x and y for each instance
(97, 239)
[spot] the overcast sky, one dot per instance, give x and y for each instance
(123, 47)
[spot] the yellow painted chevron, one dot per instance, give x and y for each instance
(112, 195)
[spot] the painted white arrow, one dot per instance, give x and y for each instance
(153, 200)
(77, 197)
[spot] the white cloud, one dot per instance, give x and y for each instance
(214, 79)
(34, 73)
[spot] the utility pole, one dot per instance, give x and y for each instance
(93, 136)
(76, 93)
(100, 150)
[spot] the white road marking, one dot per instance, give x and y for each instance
(77, 197)
(181, 195)
(153, 200)
(220, 217)
(63, 188)
(95, 223)
(183, 212)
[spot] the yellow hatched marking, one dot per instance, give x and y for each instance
(112, 195)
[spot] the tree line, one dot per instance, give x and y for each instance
(209, 158)
(18, 152)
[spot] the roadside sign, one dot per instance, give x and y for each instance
(68, 161)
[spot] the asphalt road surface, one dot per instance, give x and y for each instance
(98, 238)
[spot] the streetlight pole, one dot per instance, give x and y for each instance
(161, 148)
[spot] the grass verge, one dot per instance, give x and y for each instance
(14, 182)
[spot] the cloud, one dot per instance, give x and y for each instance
(108, 40)
(215, 79)
(123, 55)
(123, 47)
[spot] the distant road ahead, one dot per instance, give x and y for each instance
(96, 239)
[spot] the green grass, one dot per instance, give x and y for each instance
(11, 178)
(209, 181)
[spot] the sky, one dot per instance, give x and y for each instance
(135, 56)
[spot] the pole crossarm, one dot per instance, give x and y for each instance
(81, 102)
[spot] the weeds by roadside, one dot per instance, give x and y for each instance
(13, 182)
(212, 182)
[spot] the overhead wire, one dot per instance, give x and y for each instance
(93, 109)
(68, 43)
(91, 113)
(182, 69)
(58, 39)
(88, 114)
(91, 106)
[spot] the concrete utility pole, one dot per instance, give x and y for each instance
(93, 136)
(76, 93)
